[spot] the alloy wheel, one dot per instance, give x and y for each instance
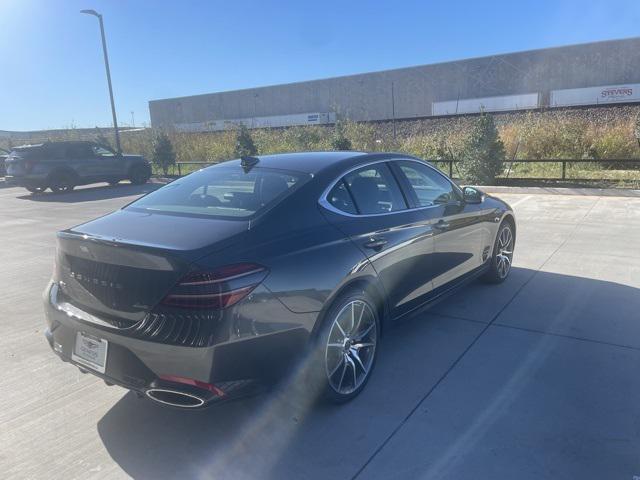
(351, 347)
(504, 253)
(61, 183)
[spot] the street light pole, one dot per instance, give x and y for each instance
(106, 65)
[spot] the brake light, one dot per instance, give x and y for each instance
(217, 289)
(28, 165)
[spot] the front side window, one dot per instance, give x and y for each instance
(100, 151)
(374, 190)
(223, 191)
(427, 185)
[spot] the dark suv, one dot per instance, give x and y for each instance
(61, 166)
(3, 156)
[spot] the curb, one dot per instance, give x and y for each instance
(590, 192)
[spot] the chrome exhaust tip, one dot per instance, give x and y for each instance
(175, 398)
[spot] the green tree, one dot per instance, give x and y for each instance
(483, 154)
(339, 140)
(245, 147)
(163, 153)
(637, 129)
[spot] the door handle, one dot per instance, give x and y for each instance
(442, 225)
(376, 243)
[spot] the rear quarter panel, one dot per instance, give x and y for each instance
(309, 259)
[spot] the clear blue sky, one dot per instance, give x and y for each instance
(52, 75)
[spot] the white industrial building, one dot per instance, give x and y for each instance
(597, 73)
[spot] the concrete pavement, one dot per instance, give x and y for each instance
(533, 378)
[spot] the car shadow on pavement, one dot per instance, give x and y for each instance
(545, 319)
(93, 193)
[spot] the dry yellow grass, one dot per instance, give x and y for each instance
(580, 133)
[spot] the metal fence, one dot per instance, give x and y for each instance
(512, 170)
(602, 165)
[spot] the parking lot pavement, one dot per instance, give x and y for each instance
(534, 378)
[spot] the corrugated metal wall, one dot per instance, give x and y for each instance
(410, 92)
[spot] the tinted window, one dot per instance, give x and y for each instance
(340, 198)
(100, 151)
(79, 151)
(57, 151)
(375, 190)
(223, 191)
(428, 186)
(30, 153)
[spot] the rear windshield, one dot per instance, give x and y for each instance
(222, 191)
(29, 152)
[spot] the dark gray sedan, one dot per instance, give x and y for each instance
(257, 267)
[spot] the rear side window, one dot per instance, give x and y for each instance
(79, 151)
(57, 151)
(427, 186)
(340, 198)
(223, 191)
(375, 190)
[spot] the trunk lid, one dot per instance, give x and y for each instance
(123, 264)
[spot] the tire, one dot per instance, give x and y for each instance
(345, 349)
(61, 182)
(140, 175)
(502, 257)
(36, 190)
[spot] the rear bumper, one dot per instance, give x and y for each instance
(232, 365)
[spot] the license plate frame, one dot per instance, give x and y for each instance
(90, 351)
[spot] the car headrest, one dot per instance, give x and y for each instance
(366, 192)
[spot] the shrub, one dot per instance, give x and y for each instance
(293, 139)
(163, 154)
(483, 155)
(339, 140)
(244, 143)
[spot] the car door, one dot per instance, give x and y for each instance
(459, 232)
(369, 207)
(81, 159)
(108, 164)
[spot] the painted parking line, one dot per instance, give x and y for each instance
(522, 200)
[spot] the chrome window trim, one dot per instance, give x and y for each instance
(326, 204)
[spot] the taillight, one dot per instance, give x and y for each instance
(28, 165)
(216, 289)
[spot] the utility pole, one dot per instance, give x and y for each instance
(106, 65)
(393, 110)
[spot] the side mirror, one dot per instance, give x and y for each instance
(473, 195)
